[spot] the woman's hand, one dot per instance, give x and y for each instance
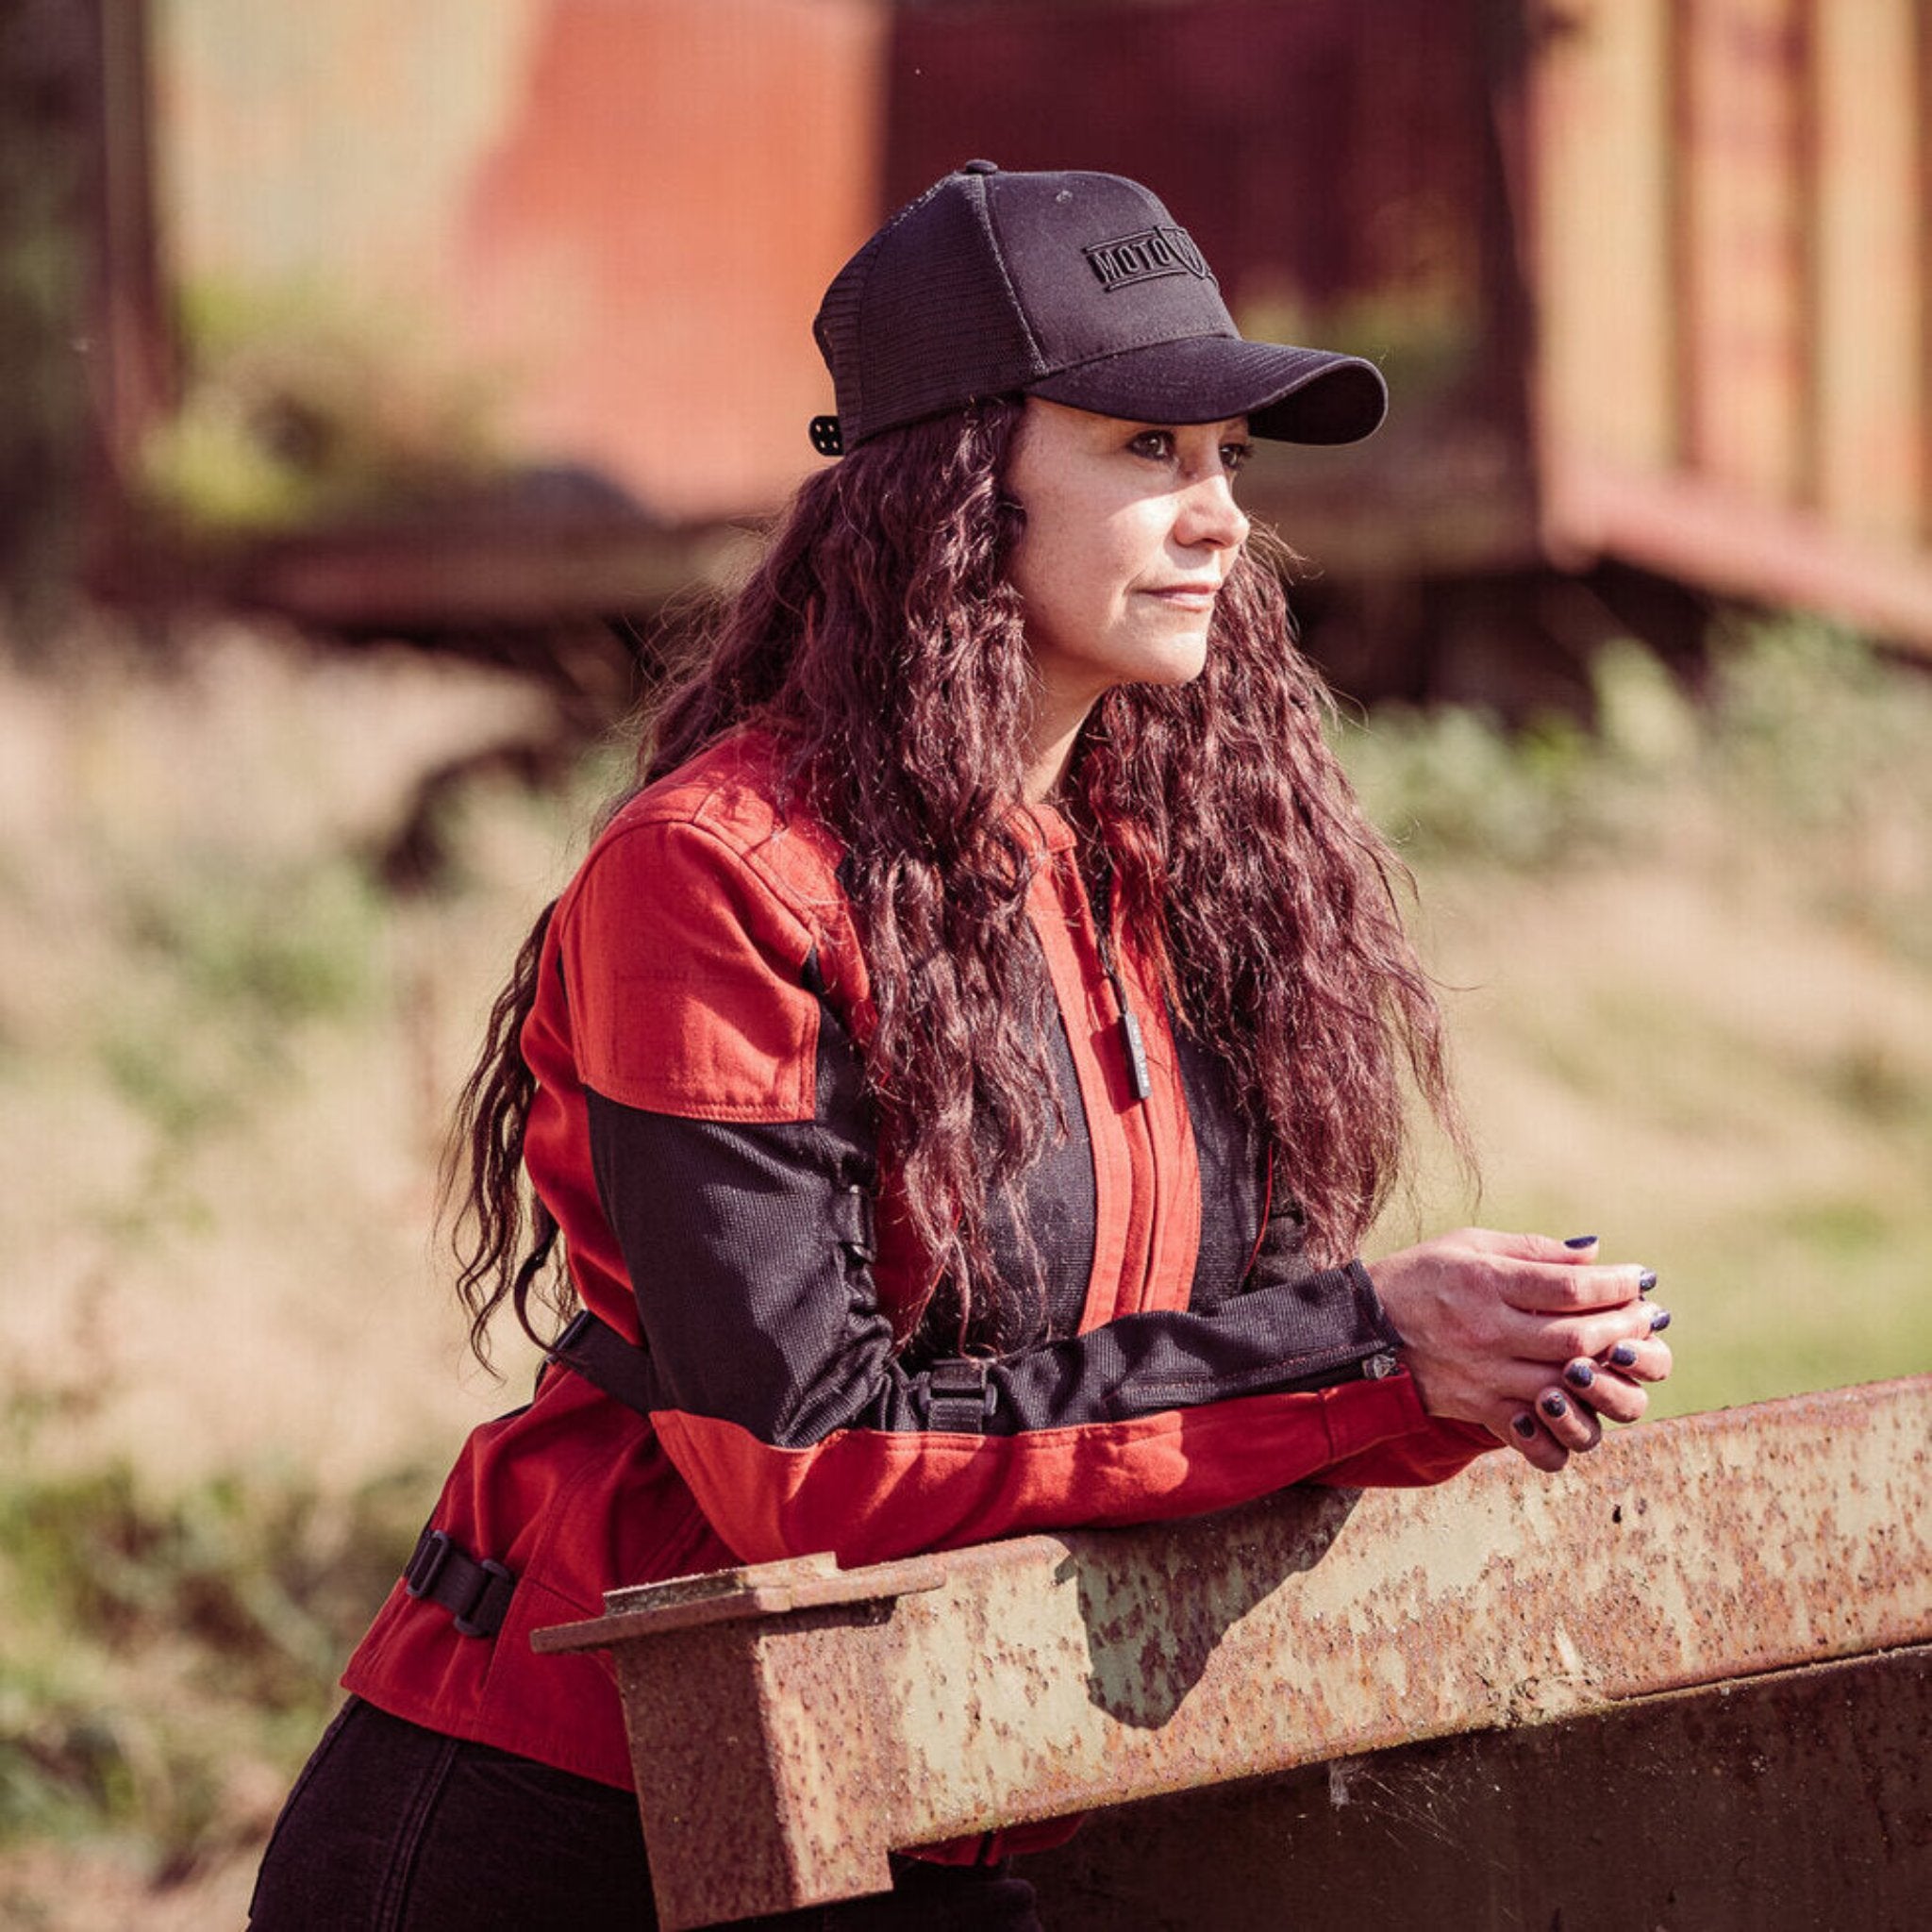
(1529, 1337)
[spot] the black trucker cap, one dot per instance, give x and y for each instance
(1080, 288)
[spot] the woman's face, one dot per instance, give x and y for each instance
(1131, 529)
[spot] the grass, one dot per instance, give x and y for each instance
(1686, 956)
(156, 1630)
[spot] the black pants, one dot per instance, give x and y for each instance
(395, 1828)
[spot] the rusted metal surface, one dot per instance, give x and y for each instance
(736, 1596)
(1663, 252)
(1871, 261)
(1051, 1675)
(1740, 73)
(1796, 1801)
(505, 570)
(1684, 529)
(754, 1804)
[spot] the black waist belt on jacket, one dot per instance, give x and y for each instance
(476, 1590)
(622, 1370)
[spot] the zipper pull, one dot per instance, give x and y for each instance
(1138, 1079)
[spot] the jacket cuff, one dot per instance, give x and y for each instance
(1361, 1415)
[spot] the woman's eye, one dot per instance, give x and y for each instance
(1156, 444)
(1234, 456)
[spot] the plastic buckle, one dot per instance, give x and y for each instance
(426, 1562)
(962, 1396)
(482, 1616)
(574, 1332)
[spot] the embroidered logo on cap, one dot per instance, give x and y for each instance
(1145, 256)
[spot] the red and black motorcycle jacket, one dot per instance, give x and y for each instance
(700, 1134)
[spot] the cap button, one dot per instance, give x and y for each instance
(979, 167)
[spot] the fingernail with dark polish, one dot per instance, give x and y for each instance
(1581, 1240)
(1646, 1281)
(1660, 1318)
(1579, 1374)
(1525, 1425)
(1623, 1354)
(1553, 1405)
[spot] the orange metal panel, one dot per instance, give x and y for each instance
(672, 193)
(1685, 527)
(1871, 262)
(619, 215)
(1730, 278)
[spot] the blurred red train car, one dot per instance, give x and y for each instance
(1649, 277)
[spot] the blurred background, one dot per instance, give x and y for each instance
(379, 384)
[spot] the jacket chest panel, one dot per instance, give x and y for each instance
(1146, 1179)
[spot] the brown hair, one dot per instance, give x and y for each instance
(880, 638)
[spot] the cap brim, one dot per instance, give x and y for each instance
(1288, 394)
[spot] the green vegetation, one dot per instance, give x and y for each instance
(233, 964)
(1806, 751)
(296, 409)
(156, 1635)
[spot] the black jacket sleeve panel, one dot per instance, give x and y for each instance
(1281, 1263)
(749, 1247)
(1341, 1307)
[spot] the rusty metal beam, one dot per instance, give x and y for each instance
(1051, 1675)
(1793, 1802)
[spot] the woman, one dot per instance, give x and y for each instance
(960, 1073)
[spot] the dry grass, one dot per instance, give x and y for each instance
(227, 1056)
(1695, 1016)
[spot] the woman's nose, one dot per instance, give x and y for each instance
(1212, 516)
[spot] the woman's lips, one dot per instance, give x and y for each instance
(1186, 596)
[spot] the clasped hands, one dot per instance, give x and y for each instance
(1531, 1338)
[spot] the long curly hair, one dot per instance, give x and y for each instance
(880, 641)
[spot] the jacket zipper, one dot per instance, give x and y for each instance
(1139, 1077)
(1134, 1127)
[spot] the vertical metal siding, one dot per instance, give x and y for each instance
(1603, 247)
(1745, 209)
(1870, 261)
(622, 212)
